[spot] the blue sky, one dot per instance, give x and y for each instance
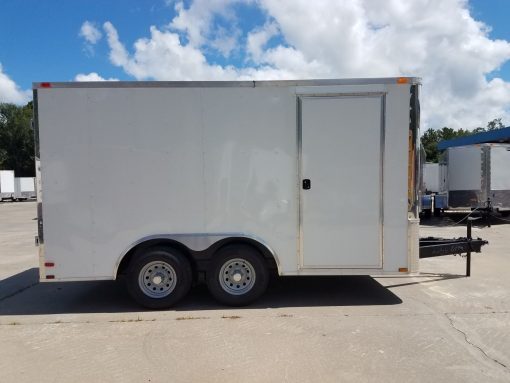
(47, 45)
(39, 39)
(265, 39)
(495, 13)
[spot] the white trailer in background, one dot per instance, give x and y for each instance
(6, 184)
(434, 198)
(315, 177)
(479, 176)
(431, 177)
(24, 188)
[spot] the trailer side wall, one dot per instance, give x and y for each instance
(121, 164)
(464, 176)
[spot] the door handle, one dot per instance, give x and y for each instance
(307, 184)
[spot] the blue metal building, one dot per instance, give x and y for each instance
(499, 135)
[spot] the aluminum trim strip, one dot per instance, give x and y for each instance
(299, 135)
(382, 95)
(76, 279)
(351, 271)
(342, 95)
(381, 179)
(224, 84)
(38, 189)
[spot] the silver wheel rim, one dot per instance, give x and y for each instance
(157, 279)
(237, 276)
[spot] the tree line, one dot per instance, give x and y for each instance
(432, 137)
(17, 139)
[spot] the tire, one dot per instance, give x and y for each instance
(246, 283)
(159, 277)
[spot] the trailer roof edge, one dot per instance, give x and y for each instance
(225, 84)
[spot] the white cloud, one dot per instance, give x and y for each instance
(163, 57)
(225, 41)
(10, 92)
(196, 21)
(257, 40)
(92, 76)
(118, 54)
(435, 39)
(90, 32)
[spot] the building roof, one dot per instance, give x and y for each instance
(498, 135)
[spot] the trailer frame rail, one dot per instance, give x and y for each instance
(437, 247)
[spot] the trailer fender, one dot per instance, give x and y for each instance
(198, 246)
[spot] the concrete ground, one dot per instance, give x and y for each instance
(435, 327)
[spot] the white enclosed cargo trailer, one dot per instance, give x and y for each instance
(24, 187)
(313, 177)
(6, 184)
(479, 176)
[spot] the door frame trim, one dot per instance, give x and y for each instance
(299, 135)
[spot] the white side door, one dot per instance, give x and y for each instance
(342, 140)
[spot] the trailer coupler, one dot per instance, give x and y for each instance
(437, 247)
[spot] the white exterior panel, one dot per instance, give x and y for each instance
(464, 168)
(431, 177)
(218, 160)
(500, 167)
(24, 187)
(27, 184)
(7, 187)
(250, 170)
(443, 178)
(396, 220)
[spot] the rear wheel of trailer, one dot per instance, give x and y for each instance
(238, 275)
(159, 277)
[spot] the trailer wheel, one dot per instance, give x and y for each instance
(159, 277)
(238, 275)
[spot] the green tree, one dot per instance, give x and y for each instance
(431, 138)
(429, 142)
(17, 139)
(479, 130)
(495, 124)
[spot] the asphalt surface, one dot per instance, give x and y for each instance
(435, 327)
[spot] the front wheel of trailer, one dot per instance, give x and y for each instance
(159, 277)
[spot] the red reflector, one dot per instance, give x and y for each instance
(50, 277)
(49, 264)
(45, 84)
